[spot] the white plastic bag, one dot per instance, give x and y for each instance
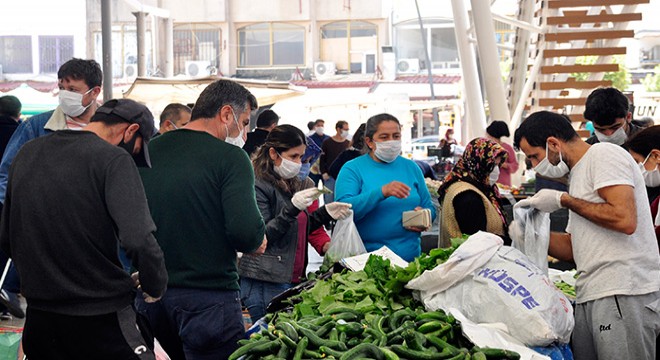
(510, 289)
(535, 226)
(472, 254)
(345, 240)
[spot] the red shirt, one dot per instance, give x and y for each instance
(317, 238)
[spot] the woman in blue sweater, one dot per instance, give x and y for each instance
(381, 185)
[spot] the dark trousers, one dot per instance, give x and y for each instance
(195, 324)
(111, 336)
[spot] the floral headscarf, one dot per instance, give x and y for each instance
(475, 166)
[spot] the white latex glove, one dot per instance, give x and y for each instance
(516, 232)
(546, 200)
(338, 210)
(304, 198)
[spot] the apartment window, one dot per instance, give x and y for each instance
(271, 44)
(124, 51)
(441, 41)
(346, 43)
(196, 42)
(16, 54)
(53, 52)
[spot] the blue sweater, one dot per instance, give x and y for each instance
(378, 219)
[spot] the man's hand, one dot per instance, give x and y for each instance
(136, 281)
(261, 248)
(338, 210)
(396, 189)
(304, 198)
(546, 200)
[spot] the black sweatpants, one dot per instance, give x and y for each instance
(111, 336)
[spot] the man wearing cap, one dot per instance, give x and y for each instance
(201, 195)
(72, 198)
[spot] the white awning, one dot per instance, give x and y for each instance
(156, 93)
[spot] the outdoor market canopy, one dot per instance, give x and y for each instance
(156, 93)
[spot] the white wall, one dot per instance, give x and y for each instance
(39, 17)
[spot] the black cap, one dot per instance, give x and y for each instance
(132, 112)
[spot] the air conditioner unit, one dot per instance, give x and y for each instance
(198, 68)
(324, 69)
(130, 71)
(407, 66)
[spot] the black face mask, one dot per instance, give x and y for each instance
(129, 146)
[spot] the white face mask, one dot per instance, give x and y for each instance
(238, 140)
(651, 177)
(344, 134)
(617, 138)
(319, 130)
(388, 151)
(71, 102)
(287, 169)
(494, 175)
(545, 168)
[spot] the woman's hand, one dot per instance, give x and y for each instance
(396, 189)
(414, 228)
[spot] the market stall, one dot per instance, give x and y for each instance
(366, 307)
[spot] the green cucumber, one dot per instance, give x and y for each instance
(300, 349)
(325, 329)
(288, 330)
(407, 353)
(330, 351)
(492, 353)
(414, 340)
(431, 326)
(363, 350)
(243, 350)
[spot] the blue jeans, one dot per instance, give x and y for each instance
(256, 294)
(195, 324)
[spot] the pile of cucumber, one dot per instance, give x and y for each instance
(344, 333)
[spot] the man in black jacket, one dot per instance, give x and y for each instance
(10, 114)
(72, 198)
(266, 122)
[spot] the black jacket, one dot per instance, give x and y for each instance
(280, 216)
(72, 199)
(7, 127)
(254, 140)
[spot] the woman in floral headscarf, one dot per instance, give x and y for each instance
(469, 197)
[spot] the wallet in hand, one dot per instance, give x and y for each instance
(419, 218)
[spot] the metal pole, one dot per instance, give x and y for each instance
(475, 116)
(169, 47)
(490, 60)
(141, 37)
(429, 67)
(106, 42)
(533, 72)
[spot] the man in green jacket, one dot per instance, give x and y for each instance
(201, 196)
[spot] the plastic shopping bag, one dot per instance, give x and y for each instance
(10, 341)
(536, 235)
(509, 289)
(345, 241)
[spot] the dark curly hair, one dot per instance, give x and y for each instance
(605, 105)
(88, 71)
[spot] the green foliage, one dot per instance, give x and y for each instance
(652, 82)
(620, 79)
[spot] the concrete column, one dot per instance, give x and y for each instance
(475, 119)
(490, 60)
(106, 41)
(168, 33)
(141, 37)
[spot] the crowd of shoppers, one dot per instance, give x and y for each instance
(206, 222)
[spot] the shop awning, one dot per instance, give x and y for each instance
(156, 93)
